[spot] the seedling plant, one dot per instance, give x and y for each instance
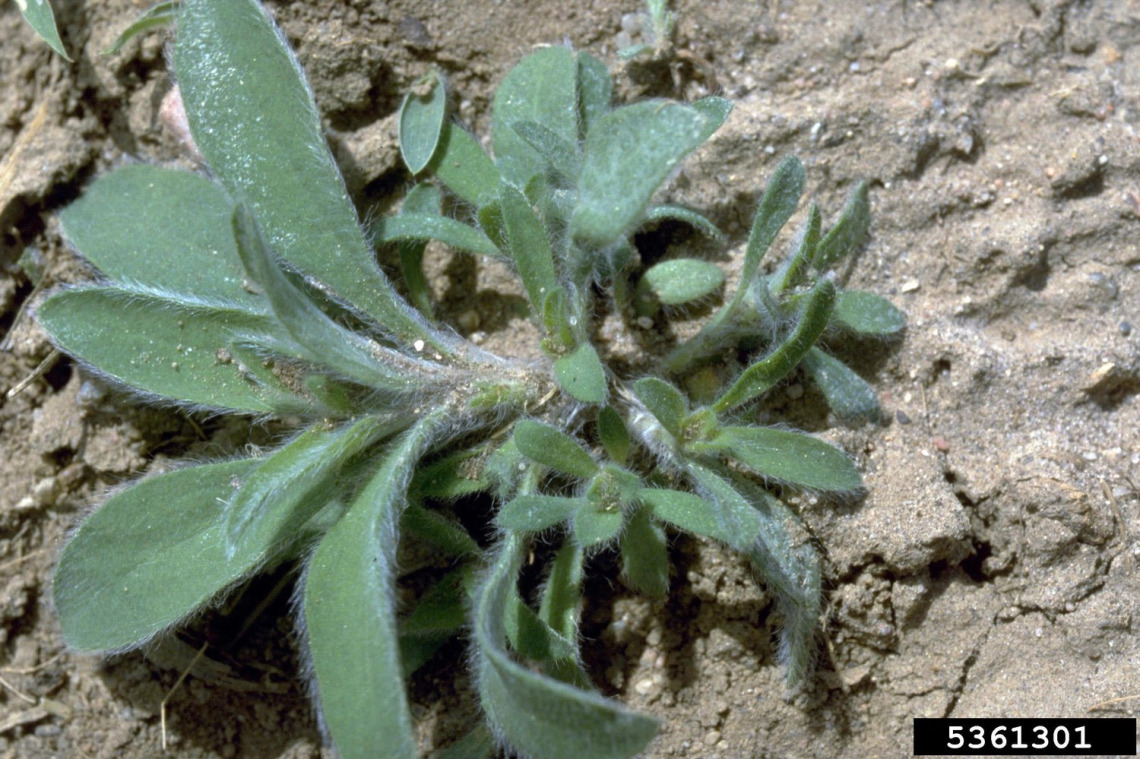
(253, 290)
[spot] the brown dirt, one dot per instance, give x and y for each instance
(992, 569)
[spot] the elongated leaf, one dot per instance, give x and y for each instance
(538, 715)
(161, 228)
(439, 615)
(535, 513)
(164, 346)
(803, 251)
(686, 215)
(595, 91)
(664, 401)
(554, 448)
(849, 231)
(787, 456)
(777, 205)
(421, 121)
(581, 374)
(702, 516)
(426, 199)
(682, 280)
(629, 152)
(848, 394)
(294, 483)
(313, 334)
(461, 164)
(763, 375)
(541, 88)
(614, 435)
(254, 120)
(350, 614)
(439, 531)
(150, 556)
(159, 14)
(39, 15)
(593, 526)
(561, 596)
(716, 111)
(561, 155)
(530, 245)
(867, 314)
(644, 556)
(422, 226)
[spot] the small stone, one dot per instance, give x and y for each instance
(644, 686)
(645, 322)
(1125, 329)
(712, 737)
(909, 285)
(940, 444)
(795, 391)
(901, 416)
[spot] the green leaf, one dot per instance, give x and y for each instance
(792, 270)
(682, 280)
(644, 555)
(562, 156)
(425, 199)
(161, 228)
(535, 513)
(165, 346)
(312, 334)
(538, 715)
(630, 151)
(254, 120)
(440, 613)
(553, 448)
(848, 394)
(530, 245)
(561, 595)
(849, 231)
(295, 483)
(595, 91)
(777, 205)
(701, 516)
(686, 215)
(786, 456)
(443, 533)
(424, 226)
(763, 375)
(716, 111)
(541, 88)
(421, 121)
(478, 744)
(461, 164)
(614, 436)
(867, 314)
(39, 15)
(451, 476)
(350, 615)
(151, 555)
(159, 14)
(582, 375)
(593, 526)
(664, 401)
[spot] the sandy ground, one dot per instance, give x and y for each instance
(992, 569)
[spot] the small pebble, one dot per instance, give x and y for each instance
(795, 391)
(902, 417)
(1125, 329)
(645, 322)
(712, 737)
(909, 286)
(940, 444)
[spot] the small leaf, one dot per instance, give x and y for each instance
(421, 121)
(686, 215)
(786, 456)
(530, 245)
(350, 616)
(791, 271)
(39, 15)
(439, 531)
(848, 394)
(582, 375)
(763, 375)
(561, 596)
(426, 199)
(161, 228)
(682, 280)
(440, 613)
(541, 88)
(165, 346)
(553, 448)
(644, 556)
(535, 513)
(629, 152)
(593, 526)
(715, 110)
(538, 715)
(424, 226)
(253, 118)
(849, 231)
(867, 314)
(293, 484)
(614, 436)
(777, 205)
(664, 401)
(562, 156)
(450, 477)
(595, 91)
(461, 164)
(151, 555)
(159, 14)
(701, 516)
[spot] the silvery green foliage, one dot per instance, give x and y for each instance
(256, 292)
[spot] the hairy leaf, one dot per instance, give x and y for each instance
(629, 152)
(535, 513)
(787, 456)
(664, 401)
(848, 394)
(159, 14)
(150, 556)
(682, 280)
(432, 226)
(536, 714)
(428, 200)
(461, 164)
(644, 555)
(530, 245)
(849, 231)
(595, 91)
(581, 374)
(867, 314)
(803, 251)
(613, 435)
(554, 448)
(688, 216)
(350, 611)
(421, 121)
(39, 15)
(593, 526)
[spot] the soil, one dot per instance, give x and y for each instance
(992, 568)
